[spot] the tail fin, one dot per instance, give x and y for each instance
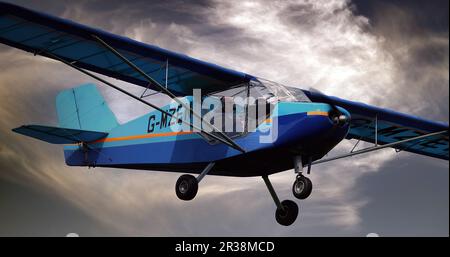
(84, 108)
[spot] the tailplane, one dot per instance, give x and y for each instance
(55, 135)
(83, 116)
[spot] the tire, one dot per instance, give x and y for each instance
(186, 187)
(302, 187)
(288, 214)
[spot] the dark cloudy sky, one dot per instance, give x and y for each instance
(392, 54)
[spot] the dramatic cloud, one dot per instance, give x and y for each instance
(320, 44)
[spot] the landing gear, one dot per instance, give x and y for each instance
(287, 211)
(302, 187)
(187, 185)
(288, 214)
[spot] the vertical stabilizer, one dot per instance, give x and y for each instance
(84, 108)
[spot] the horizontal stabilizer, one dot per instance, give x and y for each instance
(55, 135)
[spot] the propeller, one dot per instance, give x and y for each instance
(335, 114)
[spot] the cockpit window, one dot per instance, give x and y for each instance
(246, 99)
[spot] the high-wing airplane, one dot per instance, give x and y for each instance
(274, 129)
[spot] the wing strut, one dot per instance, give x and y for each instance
(166, 91)
(378, 147)
(71, 64)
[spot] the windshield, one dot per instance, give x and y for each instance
(269, 90)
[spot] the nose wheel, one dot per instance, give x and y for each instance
(302, 187)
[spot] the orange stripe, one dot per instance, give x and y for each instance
(318, 113)
(167, 134)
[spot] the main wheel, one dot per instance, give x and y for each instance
(302, 187)
(186, 187)
(288, 214)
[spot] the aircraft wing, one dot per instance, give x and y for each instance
(387, 126)
(40, 34)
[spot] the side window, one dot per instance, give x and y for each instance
(244, 107)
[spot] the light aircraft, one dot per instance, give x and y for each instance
(308, 123)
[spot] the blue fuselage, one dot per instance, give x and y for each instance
(148, 142)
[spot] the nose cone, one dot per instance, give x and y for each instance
(340, 116)
(317, 133)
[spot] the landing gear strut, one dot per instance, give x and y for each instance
(287, 210)
(302, 186)
(187, 185)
